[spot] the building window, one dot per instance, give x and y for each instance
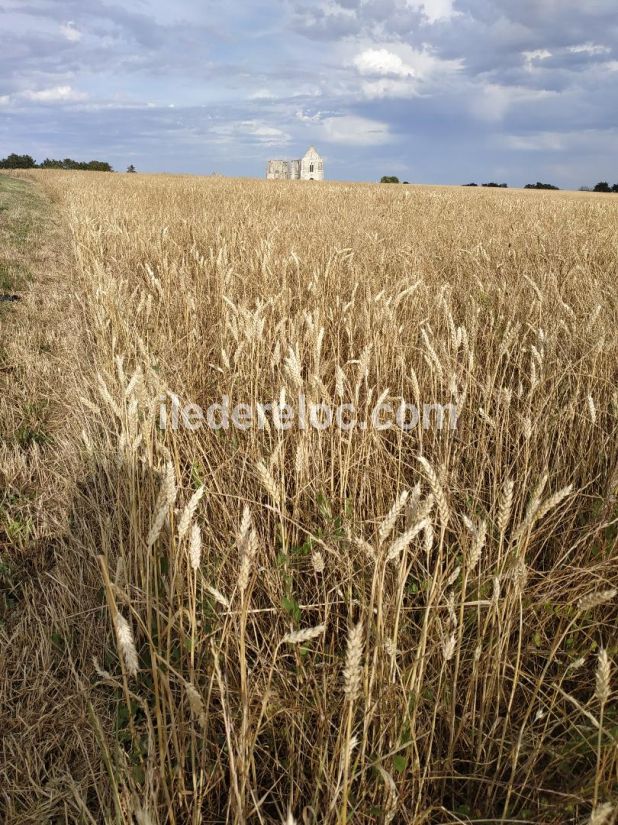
(311, 167)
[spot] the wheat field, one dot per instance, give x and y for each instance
(318, 625)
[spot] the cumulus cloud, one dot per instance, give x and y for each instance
(397, 70)
(382, 63)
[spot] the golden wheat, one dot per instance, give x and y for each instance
(356, 625)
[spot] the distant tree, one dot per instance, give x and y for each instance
(585, 189)
(539, 185)
(406, 182)
(615, 188)
(77, 165)
(603, 186)
(27, 162)
(131, 170)
(389, 179)
(96, 166)
(14, 161)
(493, 185)
(470, 184)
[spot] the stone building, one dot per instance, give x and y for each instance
(310, 167)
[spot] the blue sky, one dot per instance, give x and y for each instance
(434, 91)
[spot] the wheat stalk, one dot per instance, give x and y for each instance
(298, 637)
(196, 703)
(592, 600)
(436, 489)
(505, 507)
(268, 482)
(603, 676)
(403, 542)
(601, 814)
(352, 669)
(195, 547)
(188, 513)
(126, 643)
(386, 528)
(218, 596)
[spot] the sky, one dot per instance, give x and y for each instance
(433, 91)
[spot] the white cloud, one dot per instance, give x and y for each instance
(57, 94)
(4, 100)
(305, 117)
(355, 131)
(382, 63)
(69, 31)
(398, 70)
(543, 141)
(493, 101)
(262, 94)
(266, 134)
(434, 10)
(589, 48)
(590, 141)
(255, 129)
(531, 58)
(386, 87)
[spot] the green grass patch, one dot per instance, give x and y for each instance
(20, 209)
(13, 276)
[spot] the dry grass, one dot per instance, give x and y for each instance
(367, 626)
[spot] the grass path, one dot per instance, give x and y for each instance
(37, 336)
(39, 464)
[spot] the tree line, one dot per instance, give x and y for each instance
(14, 161)
(603, 186)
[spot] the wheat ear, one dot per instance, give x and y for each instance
(352, 669)
(438, 492)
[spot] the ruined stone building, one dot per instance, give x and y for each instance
(310, 167)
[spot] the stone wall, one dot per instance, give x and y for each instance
(311, 167)
(278, 170)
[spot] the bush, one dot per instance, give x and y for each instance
(389, 179)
